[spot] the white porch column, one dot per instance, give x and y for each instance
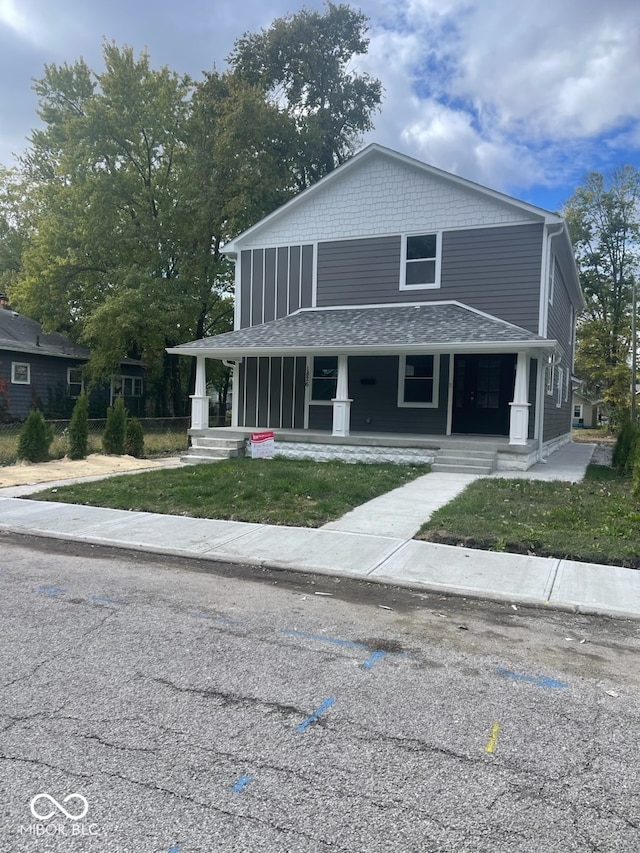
(519, 417)
(200, 400)
(341, 402)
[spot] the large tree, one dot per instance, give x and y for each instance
(304, 62)
(603, 217)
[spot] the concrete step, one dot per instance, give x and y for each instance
(461, 468)
(215, 442)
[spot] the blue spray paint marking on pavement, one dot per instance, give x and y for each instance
(241, 784)
(100, 599)
(335, 640)
(370, 661)
(175, 849)
(311, 719)
(538, 680)
(51, 590)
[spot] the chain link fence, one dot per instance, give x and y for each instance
(161, 436)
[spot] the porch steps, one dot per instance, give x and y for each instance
(209, 449)
(458, 461)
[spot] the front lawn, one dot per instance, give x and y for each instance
(294, 492)
(595, 521)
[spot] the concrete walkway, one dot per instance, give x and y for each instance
(372, 543)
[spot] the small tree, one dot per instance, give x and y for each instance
(134, 439)
(636, 471)
(115, 429)
(79, 429)
(624, 447)
(35, 438)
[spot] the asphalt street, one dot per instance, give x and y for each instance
(159, 705)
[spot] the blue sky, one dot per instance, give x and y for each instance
(526, 97)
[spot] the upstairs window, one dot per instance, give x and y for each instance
(20, 373)
(324, 379)
(418, 381)
(421, 261)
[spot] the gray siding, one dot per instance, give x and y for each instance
(496, 270)
(274, 283)
(557, 420)
(375, 402)
(272, 393)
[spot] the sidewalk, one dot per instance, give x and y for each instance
(372, 543)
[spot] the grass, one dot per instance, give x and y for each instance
(595, 521)
(301, 493)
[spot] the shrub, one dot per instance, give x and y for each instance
(79, 429)
(115, 428)
(35, 438)
(134, 438)
(622, 452)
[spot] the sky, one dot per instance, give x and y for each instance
(524, 96)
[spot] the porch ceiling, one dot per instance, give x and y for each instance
(425, 327)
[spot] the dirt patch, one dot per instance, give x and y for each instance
(26, 473)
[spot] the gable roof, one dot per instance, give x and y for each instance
(524, 209)
(23, 335)
(376, 329)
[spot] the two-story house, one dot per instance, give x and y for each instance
(394, 305)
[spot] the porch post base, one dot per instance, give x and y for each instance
(199, 412)
(341, 416)
(519, 423)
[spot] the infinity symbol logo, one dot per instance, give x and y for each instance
(58, 806)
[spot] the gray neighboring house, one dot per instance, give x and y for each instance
(394, 304)
(44, 370)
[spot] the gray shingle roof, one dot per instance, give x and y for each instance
(381, 328)
(21, 334)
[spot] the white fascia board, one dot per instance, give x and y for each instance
(446, 347)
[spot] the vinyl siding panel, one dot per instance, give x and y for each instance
(274, 283)
(557, 420)
(496, 270)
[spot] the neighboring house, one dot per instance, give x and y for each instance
(394, 299)
(44, 370)
(586, 412)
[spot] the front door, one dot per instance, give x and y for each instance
(482, 390)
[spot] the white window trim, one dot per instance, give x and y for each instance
(312, 400)
(560, 387)
(580, 414)
(403, 262)
(16, 364)
(402, 361)
(550, 379)
(70, 383)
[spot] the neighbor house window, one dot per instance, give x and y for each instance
(577, 412)
(324, 378)
(127, 386)
(421, 261)
(20, 373)
(418, 381)
(75, 384)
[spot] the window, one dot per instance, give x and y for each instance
(559, 387)
(127, 386)
(421, 261)
(20, 373)
(324, 379)
(418, 381)
(577, 412)
(75, 385)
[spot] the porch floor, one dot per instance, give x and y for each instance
(378, 439)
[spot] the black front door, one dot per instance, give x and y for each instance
(482, 390)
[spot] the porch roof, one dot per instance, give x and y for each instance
(371, 330)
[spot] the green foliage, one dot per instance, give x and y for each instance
(134, 438)
(623, 451)
(636, 470)
(79, 429)
(35, 438)
(604, 222)
(304, 60)
(115, 429)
